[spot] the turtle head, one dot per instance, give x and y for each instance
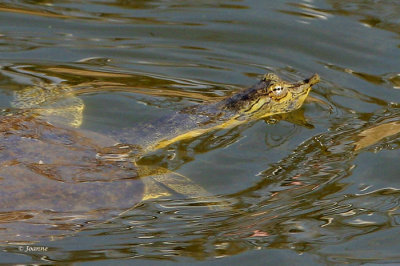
(270, 96)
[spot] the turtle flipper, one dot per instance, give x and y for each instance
(160, 182)
(55, 103)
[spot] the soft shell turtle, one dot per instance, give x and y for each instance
(56, 179)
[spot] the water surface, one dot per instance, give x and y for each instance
(319, 187)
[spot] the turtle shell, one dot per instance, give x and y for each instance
(55, 180)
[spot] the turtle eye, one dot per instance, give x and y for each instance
(279, 92)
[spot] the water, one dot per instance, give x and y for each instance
(323, 190)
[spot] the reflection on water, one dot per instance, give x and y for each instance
(322, 181)
(379, 14)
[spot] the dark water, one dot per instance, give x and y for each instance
(322, 190)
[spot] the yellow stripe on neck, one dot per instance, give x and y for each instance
(197, 132)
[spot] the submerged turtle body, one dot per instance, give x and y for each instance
(55, 179)
(52, 182)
